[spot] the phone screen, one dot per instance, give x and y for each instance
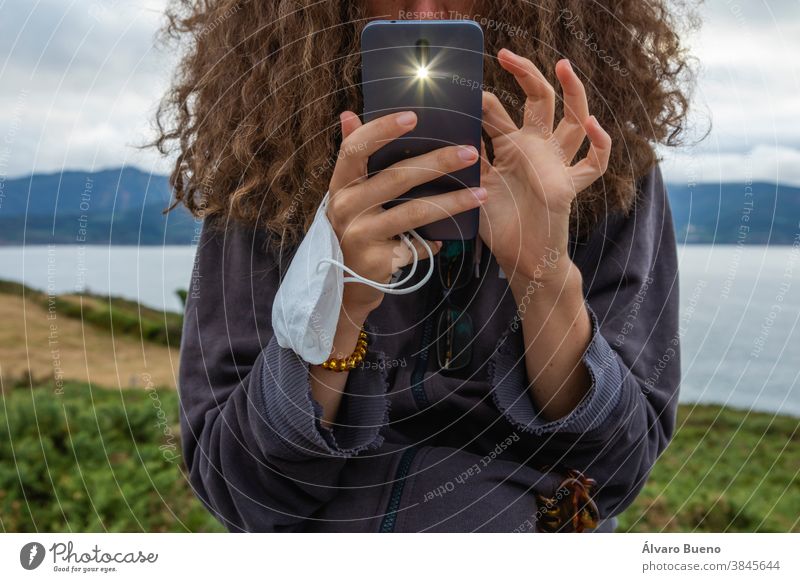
(434, 68)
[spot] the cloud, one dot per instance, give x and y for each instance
(81, 79)
(763, 163)
(749, 82)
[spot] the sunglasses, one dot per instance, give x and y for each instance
(454, 330)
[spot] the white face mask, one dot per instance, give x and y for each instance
(305, 312)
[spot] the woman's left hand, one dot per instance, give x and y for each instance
(532, 182)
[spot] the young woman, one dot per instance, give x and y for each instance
(531, 384)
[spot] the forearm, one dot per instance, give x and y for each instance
(557, 330)
(627, 417)
(244, 466)
(327, 387)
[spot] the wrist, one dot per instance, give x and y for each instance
(549, 262)
(348, 330)
(356, 313)
(358, 301)
(548, 281)
(340, 363)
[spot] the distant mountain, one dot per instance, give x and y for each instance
(124, 206)
(120, 206)
(757, 213)
(120, 190)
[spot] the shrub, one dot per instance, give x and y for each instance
(94, 460)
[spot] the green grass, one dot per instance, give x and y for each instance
(94, 460)
(725, 470)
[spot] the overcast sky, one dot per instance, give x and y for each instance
(79, 80)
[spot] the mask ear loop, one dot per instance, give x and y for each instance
(415, 260)
(390, 288)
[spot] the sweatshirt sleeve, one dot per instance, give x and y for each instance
(257, 454)
(630, 271)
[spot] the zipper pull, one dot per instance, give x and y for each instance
(477, 256)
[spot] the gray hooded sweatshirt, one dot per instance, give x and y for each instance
(414, 449)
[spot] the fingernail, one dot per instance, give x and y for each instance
(407, 118)
(480, 193)
(569, 65)
(467, 153)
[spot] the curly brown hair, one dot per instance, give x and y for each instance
(253, 110)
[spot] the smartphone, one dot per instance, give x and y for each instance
(434, 68)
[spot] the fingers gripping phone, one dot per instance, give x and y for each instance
(434, 68)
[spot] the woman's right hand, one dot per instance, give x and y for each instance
(365, 230)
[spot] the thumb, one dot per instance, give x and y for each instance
(350, 122)
(486, 167)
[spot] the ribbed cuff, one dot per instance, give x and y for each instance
(508, 377)
(295, 417)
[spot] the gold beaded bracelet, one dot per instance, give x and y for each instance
(351, 361)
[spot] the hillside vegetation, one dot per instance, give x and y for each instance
(96, 460)
(89, 338)
(85, 452)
